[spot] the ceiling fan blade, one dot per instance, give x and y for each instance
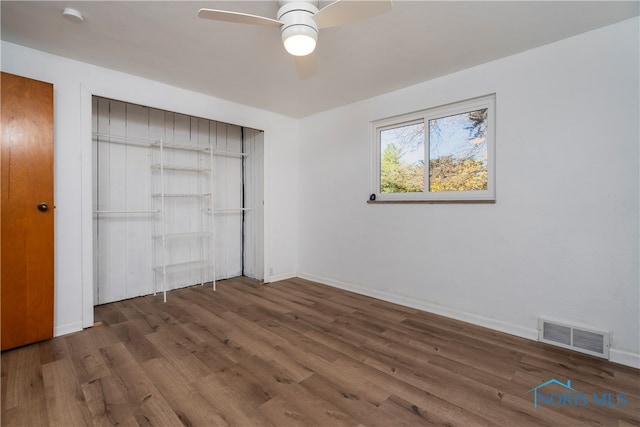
(346, 11)
(307, 66)
(237, 17)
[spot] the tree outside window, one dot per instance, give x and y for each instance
(453, 158)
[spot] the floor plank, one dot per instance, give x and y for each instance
(297, 353)
(65, 401)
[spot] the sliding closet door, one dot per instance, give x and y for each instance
(169, 201)
(254, 201)
(227, 204)
(122, 243)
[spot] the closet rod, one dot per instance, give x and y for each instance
(229, 153)
(147, 142)
(232, 210)
(125, 212)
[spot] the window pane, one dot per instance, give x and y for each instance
(402, 159)
(458, 152)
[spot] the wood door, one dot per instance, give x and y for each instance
(27, 211)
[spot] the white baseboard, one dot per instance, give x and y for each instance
(625, 358)
(427, 306)
(281, 276)
(617, 356)
(67, 329)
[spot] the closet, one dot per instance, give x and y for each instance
(177, 201)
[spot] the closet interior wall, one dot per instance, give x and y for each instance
(173, 200)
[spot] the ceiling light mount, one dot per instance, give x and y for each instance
(72, 15)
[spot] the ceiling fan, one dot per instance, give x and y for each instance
(299, 21)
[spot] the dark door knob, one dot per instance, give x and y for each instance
(43, 207)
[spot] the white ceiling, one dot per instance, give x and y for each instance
(417, 41)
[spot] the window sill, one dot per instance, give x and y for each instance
(413, 202)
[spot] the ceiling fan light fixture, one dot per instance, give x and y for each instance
(299, 20)
(299, 30)
(299, 40)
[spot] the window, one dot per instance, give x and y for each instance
(437, 155)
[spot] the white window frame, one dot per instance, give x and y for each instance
(424, 116)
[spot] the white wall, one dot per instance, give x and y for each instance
(562, 239)
(74, 83)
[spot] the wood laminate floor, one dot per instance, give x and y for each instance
(296, 353)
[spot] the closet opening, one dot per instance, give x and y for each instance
(177, 201)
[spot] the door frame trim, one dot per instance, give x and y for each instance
(86, 206)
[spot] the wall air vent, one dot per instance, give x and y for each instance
(595, 343)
